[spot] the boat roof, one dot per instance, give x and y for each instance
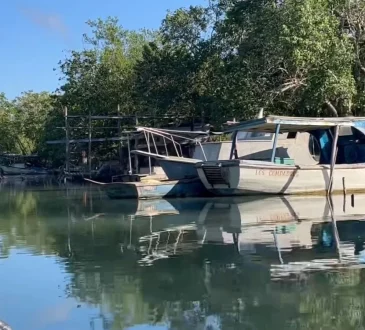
(176, 132)
(295, 124)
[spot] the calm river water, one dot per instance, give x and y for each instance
(73, 259)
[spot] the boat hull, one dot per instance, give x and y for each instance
(178, 170)
(155, 189)
(229, 178)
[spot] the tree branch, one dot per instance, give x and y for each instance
(331, 107)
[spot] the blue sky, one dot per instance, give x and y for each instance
(36, 34)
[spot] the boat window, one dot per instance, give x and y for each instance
(246, 136)
(314, 148)
(292, 135)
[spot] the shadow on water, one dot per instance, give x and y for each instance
(232, 263)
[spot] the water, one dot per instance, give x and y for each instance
(76, 260)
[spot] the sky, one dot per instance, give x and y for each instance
(36, 34)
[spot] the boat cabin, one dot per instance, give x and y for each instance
(299, 141)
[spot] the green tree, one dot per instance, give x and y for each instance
(32, 111)
(100, 77)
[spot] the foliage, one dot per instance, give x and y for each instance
(22, 121)
(210, 63)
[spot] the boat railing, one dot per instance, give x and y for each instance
(151, 133)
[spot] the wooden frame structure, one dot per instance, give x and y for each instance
(120, 136)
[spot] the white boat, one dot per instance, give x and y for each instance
(178, 167)
(307, 156)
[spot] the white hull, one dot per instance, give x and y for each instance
(287, 225)
(254, 177)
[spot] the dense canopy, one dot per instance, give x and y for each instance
(206, 64)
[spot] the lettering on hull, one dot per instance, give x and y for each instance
(277, 217)
(283, 173)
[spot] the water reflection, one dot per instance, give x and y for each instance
(181, 264)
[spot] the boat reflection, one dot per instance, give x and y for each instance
(288, 233)
(211, 262)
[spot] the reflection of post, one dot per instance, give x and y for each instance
(235, 241)
(277, 247)
(334, 227)
(167, 241)
(130, 231)
(177, 240)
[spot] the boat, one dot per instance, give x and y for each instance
(152, 189)
(307, 156)
(20, 165)
(178, 167)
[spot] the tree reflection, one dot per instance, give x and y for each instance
(100, 244)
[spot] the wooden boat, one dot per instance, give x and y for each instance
(20, 165)
(151, 189)
(178, 167)
(307, 156)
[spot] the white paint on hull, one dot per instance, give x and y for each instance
(252, 177)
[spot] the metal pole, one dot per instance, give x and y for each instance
(147, 137)
(67, 141)
(333, 159)
(136, 156)
(89, 151)
(120, 137)
(234, 144)
(277, 131)
(129, 156)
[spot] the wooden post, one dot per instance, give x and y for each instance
(67, 141)
(89, 151)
